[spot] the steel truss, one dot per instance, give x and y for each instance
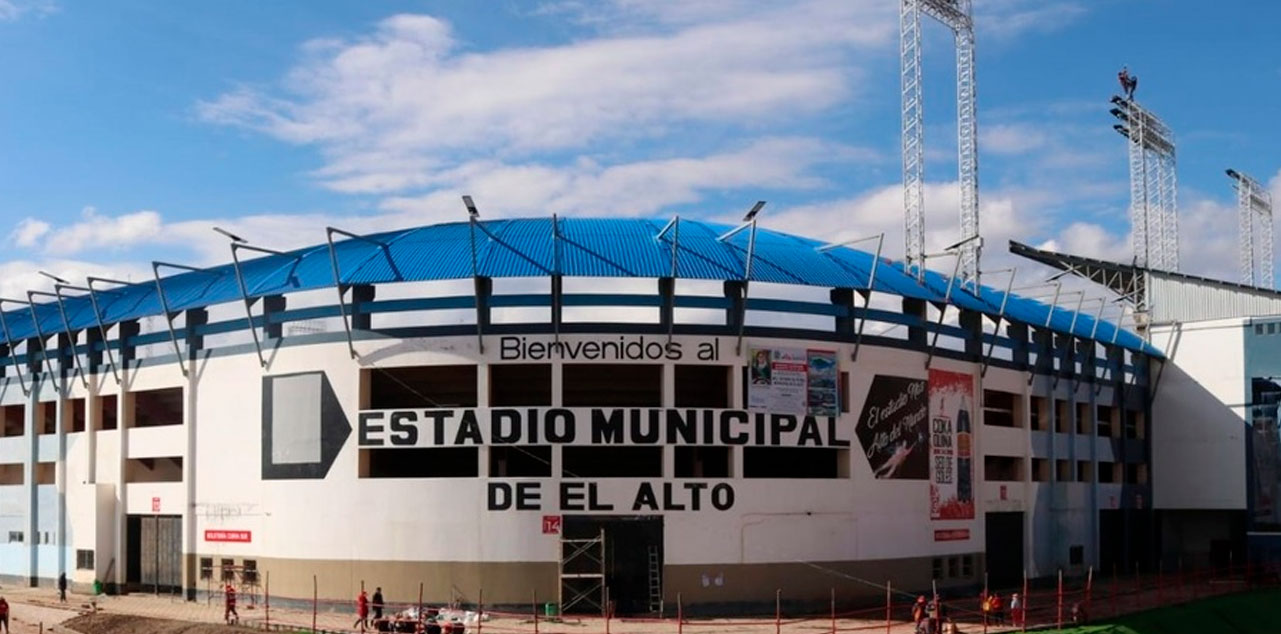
(1254, 201)
(1154, 205)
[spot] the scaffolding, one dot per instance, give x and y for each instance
(1154, 205)
(957, 16)
(1254, 204)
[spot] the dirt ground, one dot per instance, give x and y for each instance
(102, 623)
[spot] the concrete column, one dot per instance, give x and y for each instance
(190, 568)
(734, 291)
(124, 422)
(972, 322)
(667, 304)
(362, 294)
(64, 416)
(272, 304)
(916, 308)
(29, 474)
(845, 326)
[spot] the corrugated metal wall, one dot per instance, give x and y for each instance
(1172, 299)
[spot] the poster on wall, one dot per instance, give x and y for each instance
(793, 381)
(1265, 454)
(893, 428)
(951, 446)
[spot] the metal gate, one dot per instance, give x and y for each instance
(582, 574)
(160, 552)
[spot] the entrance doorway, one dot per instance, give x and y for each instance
(618, 557)
(1004, 549)
(154, 555)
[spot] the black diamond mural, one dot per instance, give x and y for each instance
(894, 428)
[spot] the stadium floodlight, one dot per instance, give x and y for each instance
(472, 211)
(749, 220)
(756, 209)
(233, 237)
(53, 277)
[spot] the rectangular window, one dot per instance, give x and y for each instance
(1084, 471)
(1040, 470)
(206, 568)
(46, 472)
(1134, 427)
(1000, 409)
(228, 569)
(1084, 425)
(153, 408)
(429, 386)
(15, 537)
(611, 462)
(14, 425)
(523, 384)
(1040, 414)
(1002, 469)
(612, 385)
(953, 567)
(76, 410)
(46, 419)
(107, 412)
(84, 559)
(512, 461)
(1272, 328)
(249, 572)
(1107, 473)
(795, 462)
(1076, 555)
(967, 566)
(1063, 470)
(703, 386)
(12, 473)
(937, 567)
(420, 462)
(167, 469)
(1062, 417)
(843, 392)
(1258, 329)
(703, 462)
(1136, 473)
(1104, 413)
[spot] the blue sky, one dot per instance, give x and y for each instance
(128, 128)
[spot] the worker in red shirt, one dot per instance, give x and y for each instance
(362, 611)
(4, 615)
(229, 609)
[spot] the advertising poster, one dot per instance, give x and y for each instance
(793, 381)
(893, 428)
(951, 446)
(1265, 453)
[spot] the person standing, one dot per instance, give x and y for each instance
(378, 604)
(62, 587)
(4, 615)
(997, 608)
(1016, 609)
(362, 611)
(229, 605)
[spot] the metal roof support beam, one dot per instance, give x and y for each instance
(66, 329)
(747, 276)
(102, 328)
(164, 304)
(244, 293)
(1069, 356)
(871, 282)
(947, 298)
(475, 276)
(35, 321)
(338, 285)
(13, 352)
(1000, 315)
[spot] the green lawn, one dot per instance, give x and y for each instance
(1253, 613)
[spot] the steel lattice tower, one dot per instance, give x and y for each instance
(1254, 201)
(956, 15)
(1154, 204)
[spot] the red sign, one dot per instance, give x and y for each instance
(551, 524)
(155, 505)
(243, 537)
(952, 535)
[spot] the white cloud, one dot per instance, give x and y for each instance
(1011, 138)
(28, 232)
(1012, 18)
(111, 233)
(11, 10)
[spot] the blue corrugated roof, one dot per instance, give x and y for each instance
(575, 247)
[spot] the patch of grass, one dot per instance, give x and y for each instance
(1252, 613)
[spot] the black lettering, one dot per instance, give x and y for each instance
(810, 432)
(404, 428)
(722, 497)
(504, 426)
(645, 426)
(570, 349)
(730, 435)
(832, 440)
(469, 430)
(761, 438)
(695, 499)
(634, 350)
(709, 424)
(606, 347)
(673, 350)
(571, 496)
(668, 503)
(607, 430)
(654, 350)
(560, 426)
(780, 423)
(500, 496)
(594, 504)
(591, 350)
(706, 352)
(509, 348)
(645, 498)
(437, 418)
(527, 496)
(368, 429)
(536, 351)
(532, 419)
(683, 427)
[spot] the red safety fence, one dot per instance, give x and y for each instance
(1063, 602)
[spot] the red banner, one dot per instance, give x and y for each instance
(952, 535)
(242, 537)
(951, 446)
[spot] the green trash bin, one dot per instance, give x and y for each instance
(97, 587)
(550, 610)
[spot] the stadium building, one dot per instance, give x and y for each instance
(549, 407)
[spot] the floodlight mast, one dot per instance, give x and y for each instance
(1254, 200)
(956, 15)
(1154, 209)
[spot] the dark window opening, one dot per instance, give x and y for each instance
(703, 386)
(793, 462)
(702, 462)
(421, 462)
(1062, 417)
(612, 385)
(1002, 469)
(76, 410)
(12, 473)
(1083, 422)
(249, 572)
(228, 569)
(1000, 409)
(206, 568)
(1076, 555)
(46, 472)
(167, 469)
(527, 384)
(157, 407)
(422, 387)
(953, 567)
(46, 418)
(1039, 414)
(1107, 473)
(1104, 413)
(843, 392)
(14, 425)
(936, 568)
(107, 406)
(1040, 470)
(611, 462)
(967, 566)
(1084, 471)
(1063, 469)
(84, 559)
(510, 461)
